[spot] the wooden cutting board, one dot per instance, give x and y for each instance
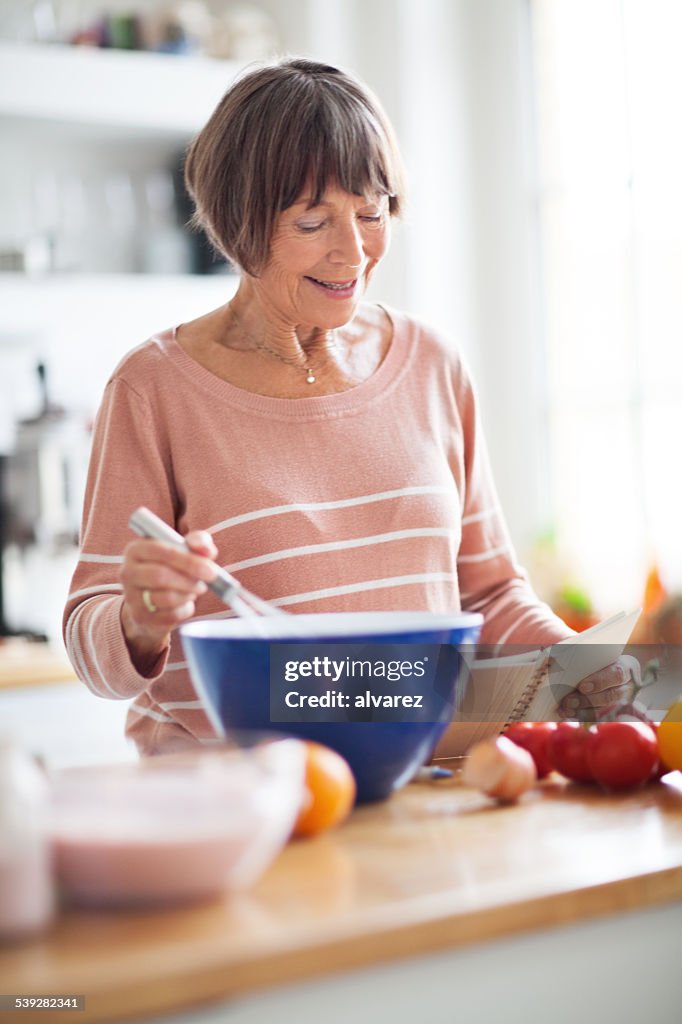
(23, 663)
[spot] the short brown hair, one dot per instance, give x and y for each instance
(279, 127)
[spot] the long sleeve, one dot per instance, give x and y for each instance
(491, 581)
(127, 469)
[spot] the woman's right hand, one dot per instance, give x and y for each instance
(160, 586)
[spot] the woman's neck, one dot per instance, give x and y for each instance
(254, 323)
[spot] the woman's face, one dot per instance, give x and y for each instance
(322, 257)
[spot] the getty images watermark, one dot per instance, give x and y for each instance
(341, 682)
(386, 682)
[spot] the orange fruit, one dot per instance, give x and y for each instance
(670, 737)
(330, 790)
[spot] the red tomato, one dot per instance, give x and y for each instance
(622, 754)
(567, 749)
(533, 737)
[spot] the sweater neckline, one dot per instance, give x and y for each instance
(382, 380)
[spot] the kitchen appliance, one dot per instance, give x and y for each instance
(46, 474)
(42, 483)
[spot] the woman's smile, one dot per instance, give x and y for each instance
(334, 290)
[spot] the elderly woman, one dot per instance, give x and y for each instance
(325, 450)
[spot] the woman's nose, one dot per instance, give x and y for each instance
(347, 247)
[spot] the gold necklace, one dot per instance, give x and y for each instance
(261, 347)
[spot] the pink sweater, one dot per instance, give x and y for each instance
(379, 498)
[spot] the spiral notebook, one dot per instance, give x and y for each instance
(530, 685)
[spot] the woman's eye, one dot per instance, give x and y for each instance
(310, 228)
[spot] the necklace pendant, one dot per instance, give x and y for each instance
(311, 377)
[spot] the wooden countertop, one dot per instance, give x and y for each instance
(23, 663)
(436, 866)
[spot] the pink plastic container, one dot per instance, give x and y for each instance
(174, 828)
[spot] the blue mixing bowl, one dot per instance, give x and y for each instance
(239, 666)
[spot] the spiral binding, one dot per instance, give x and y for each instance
(529, 691)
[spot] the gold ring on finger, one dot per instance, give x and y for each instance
(147, 600)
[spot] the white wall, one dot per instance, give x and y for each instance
(505, 257)
(471, 258)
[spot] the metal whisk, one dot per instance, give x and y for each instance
(228, 589)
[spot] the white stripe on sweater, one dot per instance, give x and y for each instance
(494, 608)
(101, 605)
(477, 516)
(103, 559)
(184, 705)
(349, 588)
(148, 713)
(115, 587)
(483, 556)
(357, 588)
(340, 545)
(75, 651)
(323, 506)
(508, 632)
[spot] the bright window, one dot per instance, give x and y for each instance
(608, 102)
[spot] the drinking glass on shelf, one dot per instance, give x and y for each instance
(45, 217)
(165, 247)
(119, 222)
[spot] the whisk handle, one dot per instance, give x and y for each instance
(145, 523)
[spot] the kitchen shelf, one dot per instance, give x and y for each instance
(83, 86)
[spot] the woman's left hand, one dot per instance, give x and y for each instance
(612, 685)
